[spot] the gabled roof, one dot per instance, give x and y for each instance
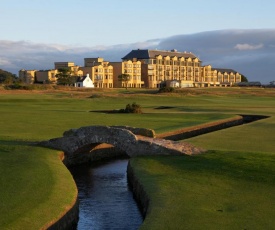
(81, 79)
(222, 70)
(147, 54)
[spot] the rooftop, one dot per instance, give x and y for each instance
(148, 54)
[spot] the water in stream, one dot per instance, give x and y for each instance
(106, 202)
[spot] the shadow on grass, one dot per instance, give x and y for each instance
(18, 143)
(256, 167)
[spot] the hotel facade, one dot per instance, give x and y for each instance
(185, 68)
(145, 68)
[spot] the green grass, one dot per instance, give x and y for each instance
(253, 137)
(48, 116)
(217, 190)
(35, 187)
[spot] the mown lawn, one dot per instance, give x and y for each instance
(216, 190)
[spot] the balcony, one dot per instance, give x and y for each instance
(150, 67)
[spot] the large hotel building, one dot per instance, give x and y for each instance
(145, 68)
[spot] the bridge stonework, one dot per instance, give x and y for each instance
(122, 138)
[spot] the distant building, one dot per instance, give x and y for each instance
(74, 69)
(84, 81)
(100, 71)
(158, 66)
(61, 65)
(146, 68)
(217, 77)
(27, 76)
(46, 76)
(130, 67)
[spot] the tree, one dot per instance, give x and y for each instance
(244, 78)
(124, 78)
(7, 77)
(64, 77)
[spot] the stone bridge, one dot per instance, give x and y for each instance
(132, 141)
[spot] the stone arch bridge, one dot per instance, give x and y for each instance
(132, 141)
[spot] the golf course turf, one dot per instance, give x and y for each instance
(232, 186)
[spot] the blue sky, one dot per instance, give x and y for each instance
(110, 22)
(41, 32)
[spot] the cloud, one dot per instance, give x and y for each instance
(4, 62)
(16, 55)
(250, 52)
(248, 47)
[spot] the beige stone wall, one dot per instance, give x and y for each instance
(159, 69)
(60, 65)
(100, 71)
(133, 68)
(117, 70)
(46, 76)
(27, 76)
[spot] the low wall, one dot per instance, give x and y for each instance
(138, 190)
(68, 221)
(201, 129)
(138, 131)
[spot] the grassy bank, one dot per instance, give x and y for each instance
(216, 190)
(36, 188)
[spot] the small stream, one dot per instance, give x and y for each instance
(106, 201)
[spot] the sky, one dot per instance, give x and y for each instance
(224, 33)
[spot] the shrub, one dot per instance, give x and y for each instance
(18, 85)
(166, 89)
(134, 108)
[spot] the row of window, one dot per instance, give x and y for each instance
(110, 77)
(175, 68)
(135, 77)
(171, 62)
(131, 65)
(105, 70)
(132, 71)
(196, 78)
(100, 77)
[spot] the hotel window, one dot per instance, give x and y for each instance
(226, 78)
